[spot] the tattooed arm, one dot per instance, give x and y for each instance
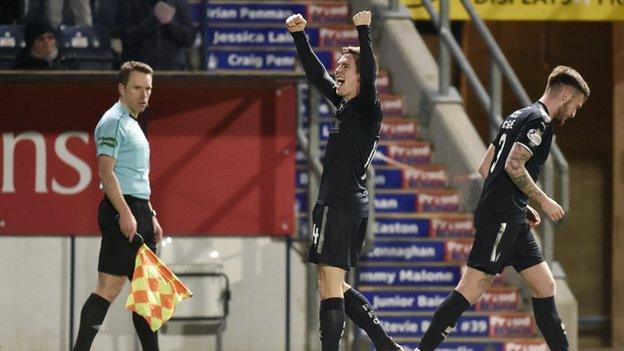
(514, 166)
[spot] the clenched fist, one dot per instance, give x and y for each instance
(296, 23)
(362, 18)
(552, 209)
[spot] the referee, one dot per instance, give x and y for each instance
(340, 215)
(123, 166)
(503, 218)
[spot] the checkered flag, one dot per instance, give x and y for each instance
(155, 290)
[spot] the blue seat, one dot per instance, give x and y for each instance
(11, 42)
(89, 47)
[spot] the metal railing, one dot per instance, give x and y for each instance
(492, 101)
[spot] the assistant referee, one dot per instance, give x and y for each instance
(123, 166)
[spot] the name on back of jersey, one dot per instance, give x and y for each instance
(511, 120)
(509, 123)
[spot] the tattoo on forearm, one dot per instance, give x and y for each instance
(520, 176)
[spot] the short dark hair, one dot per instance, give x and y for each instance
(133, 66)
(35, 29)
(564, 75)
(355, 51)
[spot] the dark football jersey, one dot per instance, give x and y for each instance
(500, 198)
(354, 131)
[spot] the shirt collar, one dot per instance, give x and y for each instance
(124, 109)
(544, 106)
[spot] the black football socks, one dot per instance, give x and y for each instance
(550, 324)
(444, 320)
(332, 318)
(91, 318)
(148, 338)
(360, 311)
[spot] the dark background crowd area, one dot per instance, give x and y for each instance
(95, 34)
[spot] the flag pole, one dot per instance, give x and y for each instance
(288, 292)
(72, 283)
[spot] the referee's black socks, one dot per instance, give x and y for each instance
(91, 318)
(360, 311)
(332, 318)
(443, 321)
(550, 324)
(148, 338)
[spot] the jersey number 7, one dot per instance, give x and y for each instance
(501, 143)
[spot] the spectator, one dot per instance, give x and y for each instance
(104, 14)
(158, 33)
(41, 52)
(11, 11)
(80, 9)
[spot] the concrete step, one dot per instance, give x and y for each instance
(427, 299)
(405, 176)
(410, 153)
(438, 225)
(409, 226)
(399, 129)
(403, 130)
(403, 275)
(390, 177)
(397, 153)
(395, 126)
(470, 324)
(419, 250)
(417, 200)
(383, 82)
(393, 105)
(392, 128)
(402, 201)
(406, 275)
(473, 344)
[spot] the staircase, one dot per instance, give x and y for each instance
(422, 242)
(422, 235)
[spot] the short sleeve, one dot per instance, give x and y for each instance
(108, 137)
(496, 139)
(531, 133)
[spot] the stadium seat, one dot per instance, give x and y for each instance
(11, 42)
(90, 47)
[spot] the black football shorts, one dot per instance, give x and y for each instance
(337, 237)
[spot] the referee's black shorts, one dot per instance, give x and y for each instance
(499, 244)
(117, 255)
(337, 237)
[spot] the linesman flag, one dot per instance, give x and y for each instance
(155, 290)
